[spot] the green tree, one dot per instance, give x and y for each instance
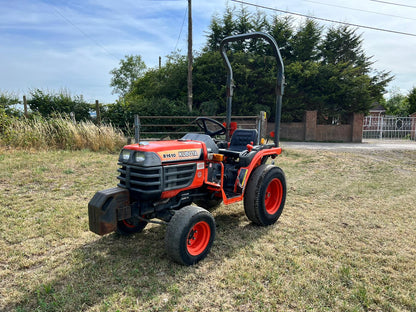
(306, 41)
(170, 81)
(411, 99)
(343, 45)
(329, 72)
(131, 68)
(281, 29)
(397, 104)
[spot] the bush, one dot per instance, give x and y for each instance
(52, 103)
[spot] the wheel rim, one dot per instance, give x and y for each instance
(198, 238)
(273, 197)
(128, 224)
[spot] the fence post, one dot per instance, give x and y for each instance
(25, 105)
(380, 126)
(136, 129)
(97, 110)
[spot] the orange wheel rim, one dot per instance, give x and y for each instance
(127, 224)
(273, 196)
(198, 238)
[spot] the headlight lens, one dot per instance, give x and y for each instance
(125, 155)
(139, 156)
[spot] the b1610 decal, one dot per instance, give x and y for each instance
(180, 155)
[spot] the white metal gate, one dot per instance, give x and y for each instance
(389, 127)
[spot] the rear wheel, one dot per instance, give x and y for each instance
(189, 235)
(265, 195)
(130, 226)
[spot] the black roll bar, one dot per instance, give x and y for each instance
(230, 82)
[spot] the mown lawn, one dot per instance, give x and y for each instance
(346, 241)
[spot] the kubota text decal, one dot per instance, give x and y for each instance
(178, 155)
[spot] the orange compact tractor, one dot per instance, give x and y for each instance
(178, 181)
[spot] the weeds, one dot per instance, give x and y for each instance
(39, 133)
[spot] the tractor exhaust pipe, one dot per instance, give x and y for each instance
(230, 82)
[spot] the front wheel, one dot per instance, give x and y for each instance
(189, 235)
(265, 195)
(130, 226)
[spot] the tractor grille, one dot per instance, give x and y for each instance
(149, 182)
(178, 176)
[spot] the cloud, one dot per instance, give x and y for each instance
(74, 44)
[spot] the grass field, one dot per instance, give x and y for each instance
(346, 241)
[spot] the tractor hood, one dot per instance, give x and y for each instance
(156, 152)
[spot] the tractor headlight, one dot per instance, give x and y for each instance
(139, 156)
(125, 155)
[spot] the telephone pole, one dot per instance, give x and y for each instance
(190, 95)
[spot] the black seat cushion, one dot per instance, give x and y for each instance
(242, 137)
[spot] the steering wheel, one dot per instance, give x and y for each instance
(201, 122)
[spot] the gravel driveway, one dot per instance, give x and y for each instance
(369, 145)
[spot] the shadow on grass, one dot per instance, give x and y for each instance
(132, 271)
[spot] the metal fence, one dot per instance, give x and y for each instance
(389, 127)
(157, 127)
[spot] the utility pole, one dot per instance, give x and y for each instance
(190, 95)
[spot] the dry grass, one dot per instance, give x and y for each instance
(345, 242)
(60, 133)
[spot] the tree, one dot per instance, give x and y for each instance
(397, 104)
(306, 41)
(131, 68)
(343, 45)
(327, 71)
(281, 30)
(411, 99)
(167, 82)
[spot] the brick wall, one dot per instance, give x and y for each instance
(309, 130)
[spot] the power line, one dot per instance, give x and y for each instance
(360, 10)
(398, 4)
(85, 34)
(183, 23)
(326, 19)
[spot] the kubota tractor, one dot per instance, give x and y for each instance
(162, 179)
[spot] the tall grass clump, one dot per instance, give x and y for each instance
(60, 132)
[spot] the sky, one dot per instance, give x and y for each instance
(73, 45)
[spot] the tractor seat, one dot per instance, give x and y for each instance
(242, 137)
(239, 141)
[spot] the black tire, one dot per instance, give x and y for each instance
(189, 235)
(130, 226)
(265, 195)
(209, 203)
